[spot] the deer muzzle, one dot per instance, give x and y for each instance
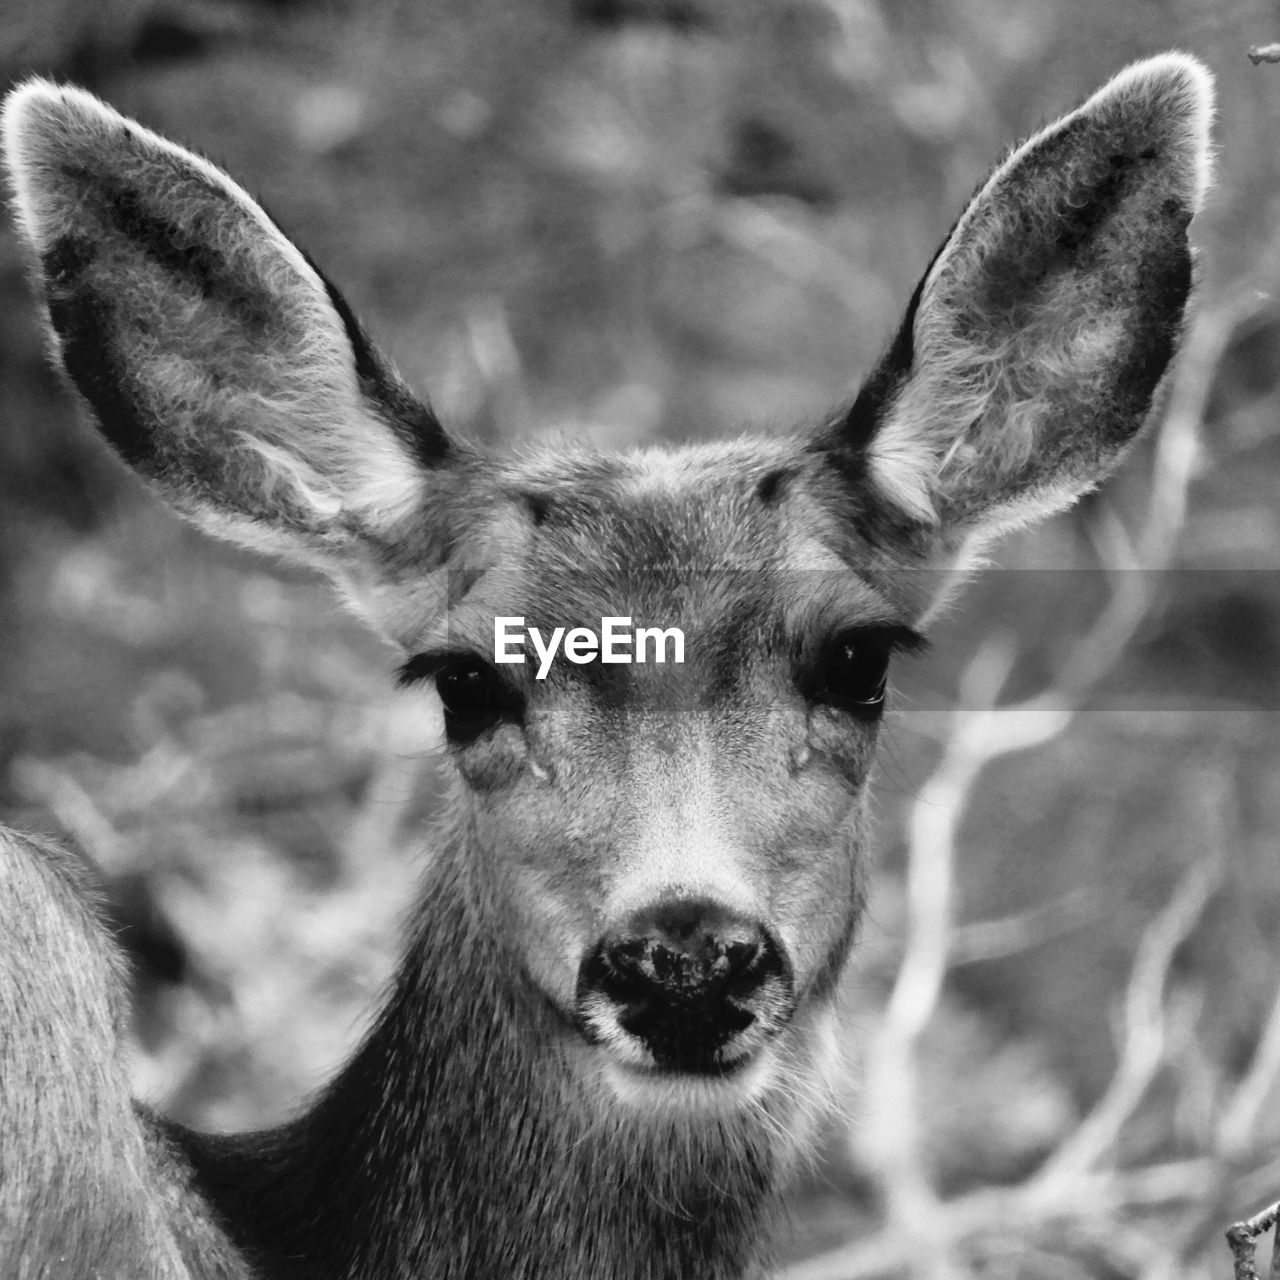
(696, 989)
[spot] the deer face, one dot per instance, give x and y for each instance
(673, 848)
(675, 845)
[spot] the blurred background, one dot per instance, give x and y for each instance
(648, 220)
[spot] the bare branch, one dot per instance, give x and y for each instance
(76, 809)
(1090, 1199)
(1242, 1237)
(1142, 1049)
(1011, 934)
(893, 1129)
(1247, 1102)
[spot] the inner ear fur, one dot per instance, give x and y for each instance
(1035, 343)
(215, 358)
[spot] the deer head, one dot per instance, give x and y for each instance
(671, 852)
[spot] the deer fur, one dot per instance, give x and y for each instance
(505, 1116)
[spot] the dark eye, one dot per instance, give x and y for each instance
(475, 698)
(851, 675)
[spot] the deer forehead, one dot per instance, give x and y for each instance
(749, 505)
(698, 507)
(709, 537)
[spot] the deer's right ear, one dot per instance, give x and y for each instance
(215, 358)
(1034, 345)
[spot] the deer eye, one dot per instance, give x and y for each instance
(475, 697)
(851, 674)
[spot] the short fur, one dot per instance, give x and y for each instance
(497, 1122)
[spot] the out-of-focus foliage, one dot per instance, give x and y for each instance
(644, 220)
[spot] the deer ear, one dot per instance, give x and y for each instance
(1032, 349)
(215, 358)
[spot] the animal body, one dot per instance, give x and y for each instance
(610, 1035)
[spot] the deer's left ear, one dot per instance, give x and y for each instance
(1030, 354)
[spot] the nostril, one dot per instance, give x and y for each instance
(698, 966)
(746, 966)
(630, 969)
(740, 956)
(641, 968)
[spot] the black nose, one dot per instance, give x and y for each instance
(686, 976)
(684, 951)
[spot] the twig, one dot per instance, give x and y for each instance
(1243, 1240)
(1093, 1196)
(983, 940)
(1264, 53)
(1142, 1048)
(1252, 1092)
(77, 810)
(893, 1129)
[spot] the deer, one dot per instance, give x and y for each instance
(611, 1038)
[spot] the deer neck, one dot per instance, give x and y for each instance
(458, 1142)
